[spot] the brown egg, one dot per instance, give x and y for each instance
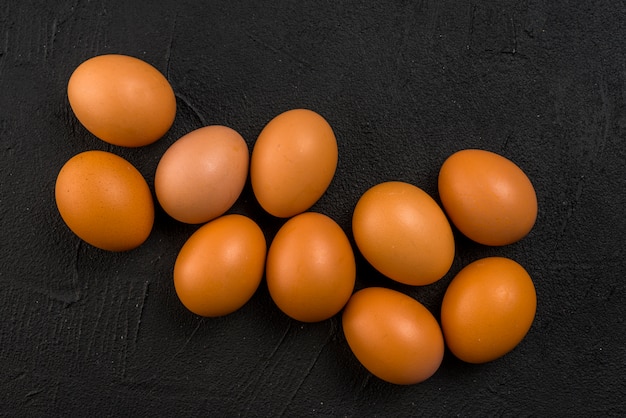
(105, 201)
(293, 162)
(202, 174)
(403, 233)
(310, 268)
(122, 100)
(487, 197)
(488, 309)
(220, 266)
(394, 336)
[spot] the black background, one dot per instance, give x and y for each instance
(404, 85)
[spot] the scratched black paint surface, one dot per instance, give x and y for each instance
(404, 85)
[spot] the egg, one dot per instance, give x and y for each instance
(293, 162)
(311, 269)
(220, 266)
(488, 309)
(394, 336)
(487, 197)
(201, 175)
(403, 233)
(105, 201)
(122, 100)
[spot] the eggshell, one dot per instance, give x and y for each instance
(403, 233)
(105, 201)
(394, 336)
(311, 268)
(487, 197)
(122, 100)
(202, 174)
(220, 266)
(488, 309)
(293, 162)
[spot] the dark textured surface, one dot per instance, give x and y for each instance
(404, 85)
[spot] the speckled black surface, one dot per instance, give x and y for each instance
(86, 332)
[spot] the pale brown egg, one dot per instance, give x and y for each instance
(487, 197)
(311, 268)
(220, 266)
(394, 336)
(105, 201)
(403, 233)
(122, 100)
(202, 174)
(293, 162)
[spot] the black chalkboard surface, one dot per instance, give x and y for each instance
(85, 332)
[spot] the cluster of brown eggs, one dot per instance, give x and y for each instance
(310, 266)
